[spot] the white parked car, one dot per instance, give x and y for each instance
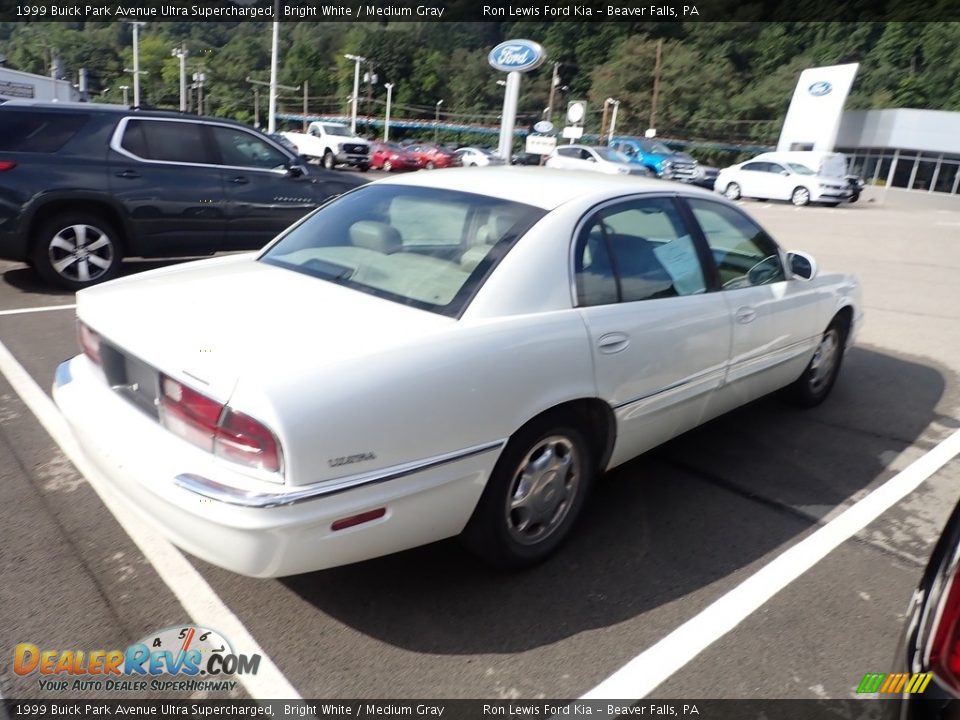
(783, 176)
(594, 159)
(439, 354)
(478, 157)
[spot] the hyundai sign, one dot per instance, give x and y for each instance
(517, 56)
(820, 88)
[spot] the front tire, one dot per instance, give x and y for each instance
(75, 250)
(364, 167)
(329, 162)
(732, 191)
(800, 197)
(430, 165)
(813, 387)
(534, 495)
(387, 166)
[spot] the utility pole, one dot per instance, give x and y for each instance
(386, 120)
(124, 88)
(553, 90)
(656, 86)
(137, 24)
(199, 77)
(306, 103)
(274, 60)
(357, 59)
(256, 106)
(182, 53)
(603, 121)
(613, 120)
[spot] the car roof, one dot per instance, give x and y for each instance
(113, 109)
(547, 188)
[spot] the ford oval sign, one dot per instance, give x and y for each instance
(820, 88)
(517, 56)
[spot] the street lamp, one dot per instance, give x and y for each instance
(436, 121)
(274, 61)
(357, 59)
(386, 120)
(613, 119)
(136, 60)
(182, 53)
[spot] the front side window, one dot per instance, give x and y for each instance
(636, 250)
(756, 167)
(425, 247)
(744, 254)
(241, 149)
(169, 141)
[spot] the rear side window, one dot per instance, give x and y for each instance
(167, 141)
(38, 132)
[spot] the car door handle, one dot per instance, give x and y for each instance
(613, 342)
(239, 180)
(128, 174)
(746, 315)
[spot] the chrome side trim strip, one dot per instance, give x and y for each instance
(245, 498)
(709, 379)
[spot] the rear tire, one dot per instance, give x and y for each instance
(364, 167)
(387, 166)
(430, 165)
(75, 250)
(813, 387)
(534, 495)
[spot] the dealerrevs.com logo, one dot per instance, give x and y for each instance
(188, 653)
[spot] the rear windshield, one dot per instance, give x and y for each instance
(38, 132)
(426, 247)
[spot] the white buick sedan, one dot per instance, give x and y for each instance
(434, 355)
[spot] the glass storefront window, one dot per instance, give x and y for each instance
(903, 171)
(869, 168)
(883, 169)
(946, 176)
(924, 175)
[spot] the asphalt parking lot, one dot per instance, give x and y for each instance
(664, 536)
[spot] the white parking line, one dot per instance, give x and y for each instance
(644, 673)
(47, 308)
(194, 593)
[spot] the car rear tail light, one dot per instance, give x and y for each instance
(216, 428)
(354, 520)
(89, 343)
(944, 652)
(7, 165)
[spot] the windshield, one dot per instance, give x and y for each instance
(337, 130)
(426, 247)
(800, 169)
(610, 154)
(655, 146)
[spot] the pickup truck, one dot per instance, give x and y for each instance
(332, 144)
(658, 158)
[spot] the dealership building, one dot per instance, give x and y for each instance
(16, 85)
(916, 150)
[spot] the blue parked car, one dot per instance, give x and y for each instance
(658, 158)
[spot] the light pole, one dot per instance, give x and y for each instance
(256, 97)
(436, 122)
(357, 59)
(136, 60)
(274, 60)
(124, 88)
(181, 53)
(613, 119)
(386, 120)
(554, 82)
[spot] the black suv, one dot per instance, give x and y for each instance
(83, 185)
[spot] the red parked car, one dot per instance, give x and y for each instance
(432, 156)
(390, 157)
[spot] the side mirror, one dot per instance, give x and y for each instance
(785, 173)
(295, 170)
(802, 266)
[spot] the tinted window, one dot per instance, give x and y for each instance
(757, 167)
(426, 247)
(745, 254)
(38, 132)
(568, 152)
(637, 250)
(168, 141)
(241, 149)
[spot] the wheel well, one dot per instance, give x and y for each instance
(594, 418)
(80, 206)
(845, 317)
